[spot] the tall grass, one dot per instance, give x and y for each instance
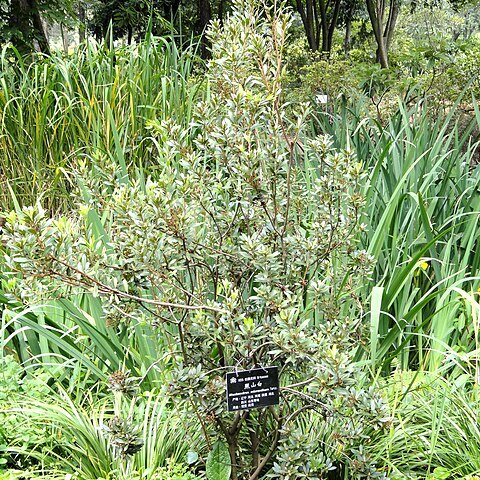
(71, 339)
(434, 432)
(422, 210)
(80, 443)
(95, 103)
(92, 107)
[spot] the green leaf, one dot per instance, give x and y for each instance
(218, 462)
(375, 311)
(192, 457)
(440, 473)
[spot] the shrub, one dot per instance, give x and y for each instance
(242, 251)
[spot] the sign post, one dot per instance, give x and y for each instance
(256, 388)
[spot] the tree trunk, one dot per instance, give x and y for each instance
(391, 22)
(38, 28)
(349, 13)
(382, 54)
(324, 25)
(347, 42)
(333, 23)
(64, 38)
(221, 11)
(232, 448)
(26, 24)
(312, 19)
(307, 16)
(375, 12)
(81, 20)
(19, 23)
(204, 18)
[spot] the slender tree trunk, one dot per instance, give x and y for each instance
(349, 12)
(39, 30)
(324, 25)
(82, 24)
(391, 22)
(375, 10)
(318, 24)
(319, 18)
(221, 11)
(204, 18)
(64, 38)
(26, 23)
(312, 18)
(19, 22)
(333, 24)
(307, 16)
(347, 42)
(232, 448)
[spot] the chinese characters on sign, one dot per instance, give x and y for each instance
(255, 388)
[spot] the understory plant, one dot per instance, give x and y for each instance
(96, 102)
(135, 437)
(241, 252)
(422, 208)
(14, 430)
(434, 432)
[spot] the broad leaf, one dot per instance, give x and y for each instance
(218, 462)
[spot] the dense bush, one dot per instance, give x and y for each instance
(439, 72)
(242, 250)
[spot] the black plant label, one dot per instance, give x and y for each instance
(254, 388)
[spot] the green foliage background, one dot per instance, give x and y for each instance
(121, 148)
